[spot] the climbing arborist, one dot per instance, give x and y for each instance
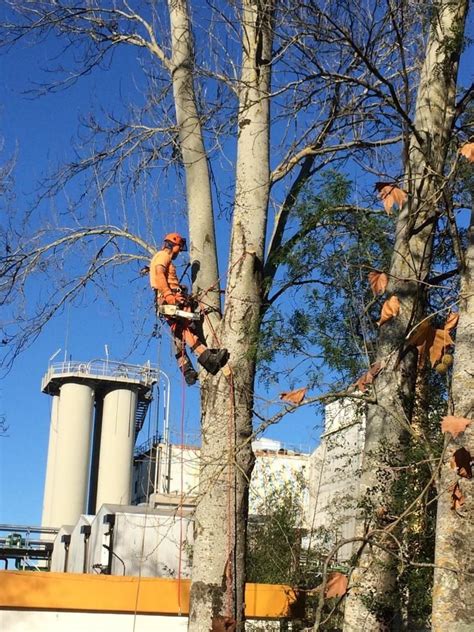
(168, 291)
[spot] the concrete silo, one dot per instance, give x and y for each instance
(116, 446)
(97, 410)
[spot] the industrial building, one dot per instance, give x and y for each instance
(118, 518)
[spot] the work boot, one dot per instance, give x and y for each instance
(187, 369)
(213, 360)
(190, 375)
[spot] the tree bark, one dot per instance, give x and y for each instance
(453, 591)
(218, 577)
(203, 252)
(388, 422)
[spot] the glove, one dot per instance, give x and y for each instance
(171, 299)
(174, 299)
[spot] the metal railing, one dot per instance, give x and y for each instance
(147, 445)
(147, 374)
(20, 528)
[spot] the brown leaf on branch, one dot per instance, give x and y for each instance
(390, 195)
(378, 282)
(294, 397)
(441, 340)
(368, 377)
(454, 425)
(422, 333)
(451, 320)
(336, 585)
(467, 150)
(390, 309)
(431, 341)
(462, 460)
(457, 498)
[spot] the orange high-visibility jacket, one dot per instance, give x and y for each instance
(163, 275)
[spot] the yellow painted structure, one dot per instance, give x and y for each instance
(109, 593)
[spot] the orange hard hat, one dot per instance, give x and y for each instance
(176, 240)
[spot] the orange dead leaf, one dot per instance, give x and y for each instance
(467, 150)
(378, 282)
(422, 333)
(462, 460)
(368, 377)
(441, 340)
(294, 397)
(390, 195)
(451, 320)
(434, 342)
(390, 309)
(457, 498)
(422, 338)
(336, 585)
(454, 425)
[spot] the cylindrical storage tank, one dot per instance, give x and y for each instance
(50, 464)
(116, 447)
(73, 443)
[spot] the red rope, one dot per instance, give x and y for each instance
(180, 508)
(231, 500)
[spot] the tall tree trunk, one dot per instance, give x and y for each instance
(453, 592)
(388, 421)
(203, 251)
(218, 578)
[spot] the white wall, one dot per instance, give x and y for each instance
(272, 470)
(146, 540)
(77, 545)
(272, 467)
(41, 621)
(59, 551)
(335, 472)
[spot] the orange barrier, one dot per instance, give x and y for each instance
(111, 593)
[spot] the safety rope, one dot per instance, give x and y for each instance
(180, 508)
(231, 503)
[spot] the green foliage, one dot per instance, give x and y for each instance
(330, 317)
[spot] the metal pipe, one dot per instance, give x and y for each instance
(28, 529)
(166, 425)
(166, 404)
(110, 520)
(86, 530)
(157, 449)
